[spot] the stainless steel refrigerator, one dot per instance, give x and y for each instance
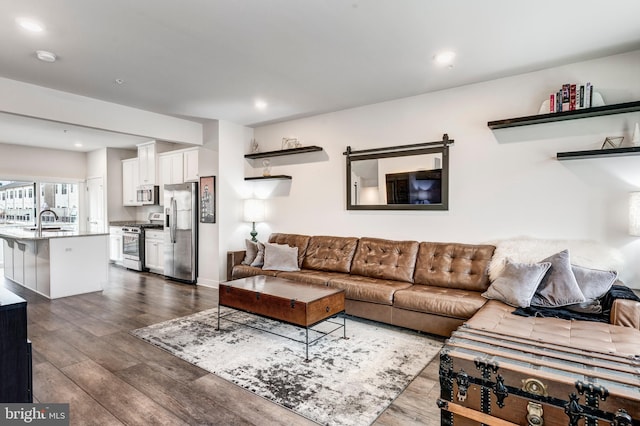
(181, 232)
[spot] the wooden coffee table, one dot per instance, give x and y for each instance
(300, 304)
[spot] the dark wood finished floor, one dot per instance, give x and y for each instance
(83, 354)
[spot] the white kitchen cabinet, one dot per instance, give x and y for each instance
(115, 245)
(130, 179)
(171, 168)
(147, 164)
(7, 250)
(154, 251)
(190, 168)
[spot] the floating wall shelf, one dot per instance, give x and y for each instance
(283, 152)
(566, 115)
(275, 177)
(599, 153)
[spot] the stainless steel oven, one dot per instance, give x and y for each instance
(133, 247)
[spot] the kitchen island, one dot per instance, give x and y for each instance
(56, 262)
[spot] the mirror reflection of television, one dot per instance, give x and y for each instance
(418, 187)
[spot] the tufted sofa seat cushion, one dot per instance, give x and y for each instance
(332, 254)
(452, 303)
(452, 265)
(599, 337)
(293, 240)
(368, 289)
(243, 271)
(385, 259)
(310, 276)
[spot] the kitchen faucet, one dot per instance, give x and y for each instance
(40, 219)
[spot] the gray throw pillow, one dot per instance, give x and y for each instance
(259, 260)
(593, 283)
(559, 286)
(280, 257)
(250, 253)
(517, 283)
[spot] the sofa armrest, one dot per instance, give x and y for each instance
(626, 313)
(234, 258)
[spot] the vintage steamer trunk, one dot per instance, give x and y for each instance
(488, 378)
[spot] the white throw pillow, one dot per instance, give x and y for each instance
(585, 253)
(280, 257)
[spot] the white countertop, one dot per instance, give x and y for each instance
(21, 233)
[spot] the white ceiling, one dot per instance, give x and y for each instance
(200, 59)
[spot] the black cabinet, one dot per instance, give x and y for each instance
(15, 350)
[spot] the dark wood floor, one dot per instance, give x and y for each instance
(84, 355)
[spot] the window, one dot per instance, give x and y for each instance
(64, 188)
(19, 193)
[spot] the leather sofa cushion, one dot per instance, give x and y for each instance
(385, 259)
(452, 265)
(310, 276)
(243, 271)
(330, 253)
(293, 240)
(626, 313)
(448, 302)
(598, 337)
(368, 289)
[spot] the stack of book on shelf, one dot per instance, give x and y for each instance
(571, 97)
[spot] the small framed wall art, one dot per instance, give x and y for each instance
(208, 199)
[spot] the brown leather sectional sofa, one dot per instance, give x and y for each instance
(431, 287)
(426, 286)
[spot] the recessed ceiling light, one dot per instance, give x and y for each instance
(445, 58)
(78, 145)
(30, 25)
(260, 104)
(119, 81)
(45, 56)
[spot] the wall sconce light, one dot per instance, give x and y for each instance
(254, 212)
(634, 214)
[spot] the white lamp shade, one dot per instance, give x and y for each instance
(254, 210)
(634, 214)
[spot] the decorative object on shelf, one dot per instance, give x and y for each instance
(208, 199)
(254, 146)
(254, 212)
(571, 97)
(290, 143)
(266, 171)
(612, 142)
(635, 140)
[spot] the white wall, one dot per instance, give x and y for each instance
(25, 162)
(41, 102)
(503, 183)
(208, 240)
(232, 190)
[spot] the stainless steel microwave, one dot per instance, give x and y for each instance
(148, 194)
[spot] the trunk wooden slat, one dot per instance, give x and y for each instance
(522, 382)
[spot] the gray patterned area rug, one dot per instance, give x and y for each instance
(347, 381)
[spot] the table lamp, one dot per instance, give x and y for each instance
(254, 212)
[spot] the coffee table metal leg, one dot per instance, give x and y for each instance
(307, 346)
(218, 328)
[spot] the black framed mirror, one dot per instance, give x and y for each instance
(408, 177)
